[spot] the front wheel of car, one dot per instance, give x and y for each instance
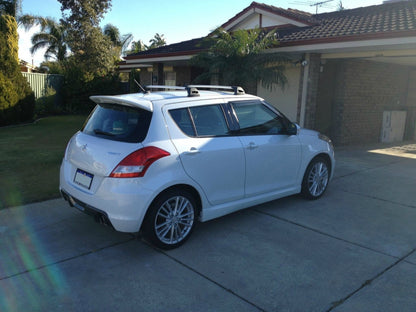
(171, 219)
(316, 178)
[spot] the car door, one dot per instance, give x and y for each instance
(272, 156)
(209, 154)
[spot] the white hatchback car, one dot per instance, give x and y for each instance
(161, 161)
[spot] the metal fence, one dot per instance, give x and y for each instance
(40, 83)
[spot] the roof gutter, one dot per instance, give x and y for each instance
(325, 45)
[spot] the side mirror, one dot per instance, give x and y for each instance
(292, 129)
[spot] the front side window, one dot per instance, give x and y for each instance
(201, 121)
(118, 122)
(255, 118)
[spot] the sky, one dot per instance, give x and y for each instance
(178, 20)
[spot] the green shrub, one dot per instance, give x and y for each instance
(9, 61)
(17, 100)
(79, 86)
(47, 104)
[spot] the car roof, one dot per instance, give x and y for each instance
(147, 100)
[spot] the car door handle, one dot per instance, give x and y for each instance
(192, 151)
(252, 146)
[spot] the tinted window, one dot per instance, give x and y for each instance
(256, 118)
(183, 120)
(206, 120)
(209, 120)
(118, 122)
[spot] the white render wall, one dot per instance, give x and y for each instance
(284, 100)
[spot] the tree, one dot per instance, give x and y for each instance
(17, 100)
(90, 47)
(52, 35)
(119, 42)
(157, 41)
(238, 58)
(10, 7)
(137, 46)
(90, 67)
(83, 12)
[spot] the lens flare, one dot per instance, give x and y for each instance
(26, 260)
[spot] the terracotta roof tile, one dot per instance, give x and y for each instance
(373, 20)
(391, 19)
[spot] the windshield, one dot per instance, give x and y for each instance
(118, 122)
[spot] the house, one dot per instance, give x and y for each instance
(355, 79)
(26, 67)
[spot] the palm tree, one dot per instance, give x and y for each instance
(157, 41)
(238, 58)
(137, 46)
(119, 42)
(52, 35)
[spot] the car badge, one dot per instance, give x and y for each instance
(84, 147)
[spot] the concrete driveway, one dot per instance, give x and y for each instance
(352, 250)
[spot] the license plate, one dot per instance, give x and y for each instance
(83, 178)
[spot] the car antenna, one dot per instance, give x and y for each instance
(144, 91)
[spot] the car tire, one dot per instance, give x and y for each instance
(316, 178)
(171, 219)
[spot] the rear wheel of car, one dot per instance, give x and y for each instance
(171, 219)
(316, 178)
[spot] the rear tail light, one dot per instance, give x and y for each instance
(136, 164)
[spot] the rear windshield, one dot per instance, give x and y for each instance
(118, 123)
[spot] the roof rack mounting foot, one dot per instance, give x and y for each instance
(192, 91)
(238, 90)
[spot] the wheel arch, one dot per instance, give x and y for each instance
(305, 190)
(194, 192)
(327, 158)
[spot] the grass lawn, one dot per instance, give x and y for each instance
(30, 157)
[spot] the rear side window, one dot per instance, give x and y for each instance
(201, 121)
(118, 123)
(183, 120)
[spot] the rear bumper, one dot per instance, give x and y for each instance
(99, 216)
(121, 203)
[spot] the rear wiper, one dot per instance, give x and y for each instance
(101, 132)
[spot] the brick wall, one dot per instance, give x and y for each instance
(370, 88)
(410, 131)
(360, 91)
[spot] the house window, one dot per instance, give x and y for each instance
(170, 78)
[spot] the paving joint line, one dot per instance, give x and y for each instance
(205, 276)
(380, 199)
(368, 282)
(365, 169)
(323, 233)
(67, 259)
